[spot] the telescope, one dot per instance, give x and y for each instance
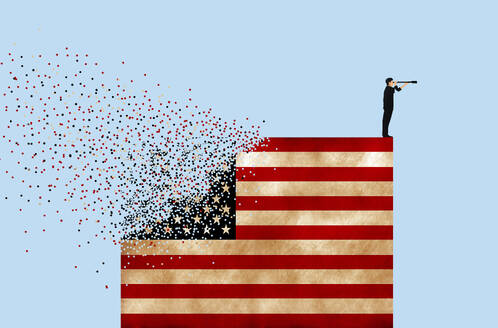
(414, 82)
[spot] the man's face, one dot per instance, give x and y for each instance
(391, 83)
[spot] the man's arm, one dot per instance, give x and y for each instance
(398, 88)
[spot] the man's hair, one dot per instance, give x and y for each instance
(389, 79)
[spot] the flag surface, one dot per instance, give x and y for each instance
(313, 246)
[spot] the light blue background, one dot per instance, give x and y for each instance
(309, 69)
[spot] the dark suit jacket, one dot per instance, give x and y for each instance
(389, 97)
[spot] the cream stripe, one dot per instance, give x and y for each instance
(315, 159)
(255, 305)
(256, 276)
(314, 217)
(258, 247)
(314, 188)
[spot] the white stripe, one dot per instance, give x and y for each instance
(315, 159)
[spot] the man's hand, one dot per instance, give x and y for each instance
(404, 85)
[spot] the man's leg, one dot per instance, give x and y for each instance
(385, 121)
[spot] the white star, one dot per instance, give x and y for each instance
(225, 229)
(216, 219)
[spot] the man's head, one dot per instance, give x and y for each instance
(389, 81)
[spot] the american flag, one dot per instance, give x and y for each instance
(312, 246)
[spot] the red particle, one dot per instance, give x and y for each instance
(76, 267)
(106, 287)
(27, 251)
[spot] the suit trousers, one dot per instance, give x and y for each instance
(388, 112)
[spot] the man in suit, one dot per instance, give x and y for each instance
(389, 104)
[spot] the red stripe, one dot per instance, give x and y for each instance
(314, 174)
(257, 320)
(256, 291)
(326, 144)
(314, 232)
(324, 203)
(257, 262)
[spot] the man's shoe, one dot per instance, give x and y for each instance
(387, 136)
